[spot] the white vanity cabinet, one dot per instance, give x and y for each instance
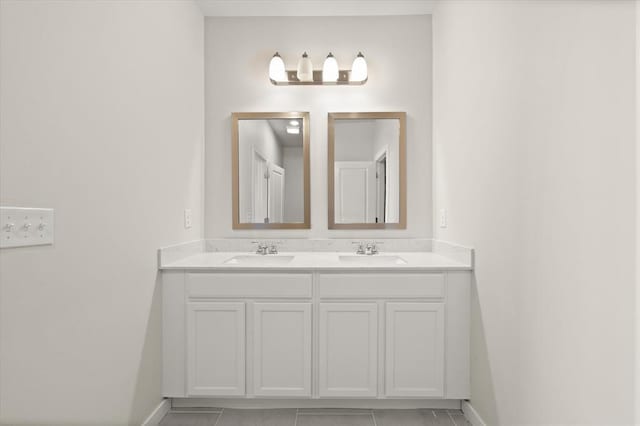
(414, 349)
(282, 349)
(215, 348)
(348, 350)
(316, 334)
(237, 334)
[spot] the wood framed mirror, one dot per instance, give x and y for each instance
(367, 170)
(270, 167)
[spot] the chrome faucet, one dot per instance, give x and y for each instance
(360, 249)
(368, 249)
(262, 247)
(371, 249)
(265, 248)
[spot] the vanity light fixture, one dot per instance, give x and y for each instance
(305, 75)
(305, 69)
(293, 130)
(330, 69)
(277, 71)
(359, 69)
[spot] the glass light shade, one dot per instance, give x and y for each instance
(276, 69)
(305, 69)
(359, 68)
(330, 69)
(294, 123)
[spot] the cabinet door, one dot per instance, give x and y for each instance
(282, 349)
(348, 349)
(215, 348)
(414, 349)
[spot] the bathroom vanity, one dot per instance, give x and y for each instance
(316, 326)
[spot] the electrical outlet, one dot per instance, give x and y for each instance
(188, 218)
(443, 218)
(22, 226)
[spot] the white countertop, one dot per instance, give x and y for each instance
(418, 261)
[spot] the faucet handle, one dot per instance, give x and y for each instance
(372, 247)
(360, 246)
(262, 247)
(273, 249)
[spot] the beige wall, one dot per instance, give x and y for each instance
(102, 119)
(534, 162)
(237, 54)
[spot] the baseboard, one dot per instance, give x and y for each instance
(158, 413)
(255, 403)
(472, 415)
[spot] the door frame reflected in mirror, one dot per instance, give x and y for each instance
(402, 148)
(235, 169)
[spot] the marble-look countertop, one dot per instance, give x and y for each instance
(410, 261)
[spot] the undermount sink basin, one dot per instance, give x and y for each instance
(259, 260)
(372, 260)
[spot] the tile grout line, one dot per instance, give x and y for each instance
(219, 417)
(320, 413)
(452, 419)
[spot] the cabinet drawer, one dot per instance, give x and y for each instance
(249, 285)
(381, 285)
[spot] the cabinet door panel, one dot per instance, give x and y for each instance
(348, 349)
(282, 349)
(216, 348)
(414, 349)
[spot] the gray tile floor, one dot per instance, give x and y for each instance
(315, 417)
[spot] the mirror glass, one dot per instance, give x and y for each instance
(367, 180)
(271, 170)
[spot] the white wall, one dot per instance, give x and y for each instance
(637, 353)
(354, 140)
(534, 162)
(398, 51)
(293, 184)
(102, 119)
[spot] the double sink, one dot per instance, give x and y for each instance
(345, 259)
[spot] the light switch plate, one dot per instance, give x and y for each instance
(23, 226)
(188, 218)
(443, 218)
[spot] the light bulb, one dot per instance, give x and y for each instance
(294, 123)
(359, 68)
(276, 69)
(305, 69)
(330, 69)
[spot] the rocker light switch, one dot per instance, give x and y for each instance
(22, 226)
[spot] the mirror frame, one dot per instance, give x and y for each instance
(402, 164)
(235, 162)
